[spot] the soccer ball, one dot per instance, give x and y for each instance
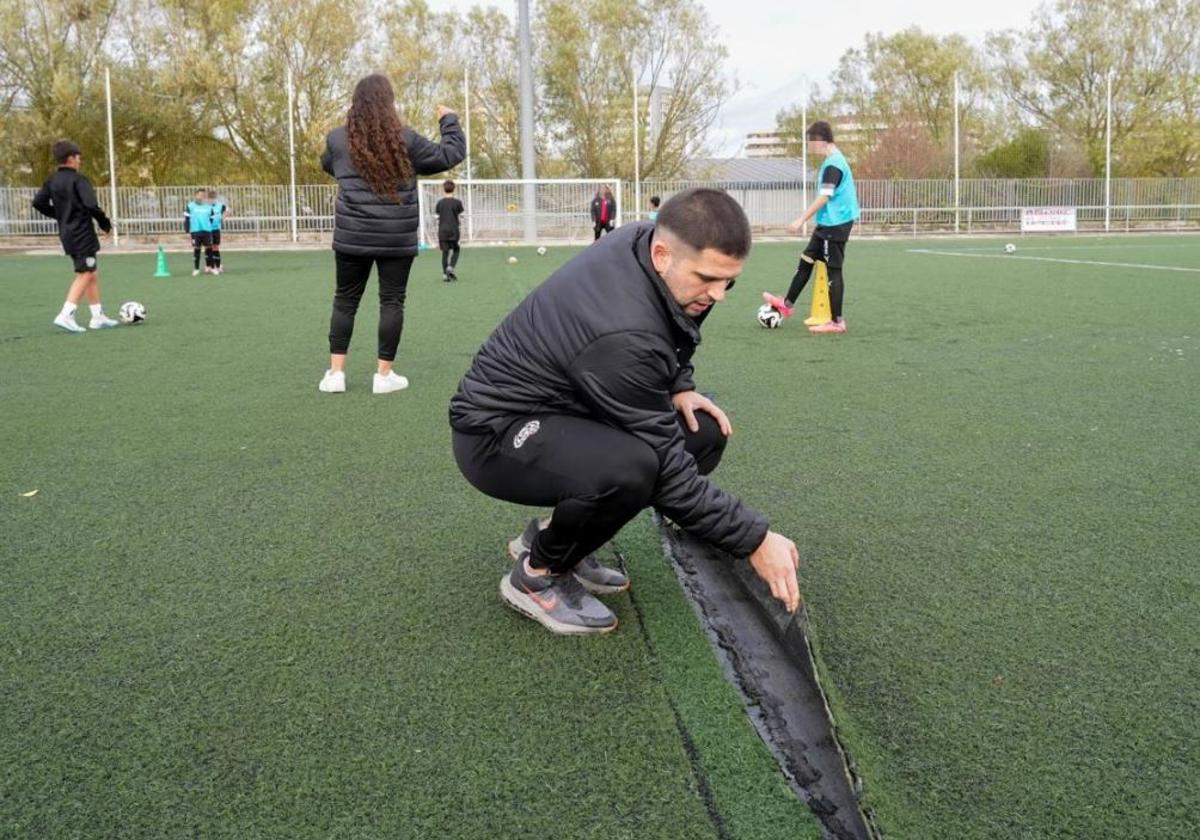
(541, 250)
(131, 312)
(1010, 248)
(512, 260)
(768, 317)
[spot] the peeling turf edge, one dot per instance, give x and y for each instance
(740, 776)
(766, 654)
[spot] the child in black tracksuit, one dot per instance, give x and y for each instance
(448, 209)
(69, 199)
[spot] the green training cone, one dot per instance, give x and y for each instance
(162, 271)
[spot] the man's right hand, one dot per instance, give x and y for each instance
(442, 111)
(775, 561)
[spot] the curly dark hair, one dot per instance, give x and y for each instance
(376, 135)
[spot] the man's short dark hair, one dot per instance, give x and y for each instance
(820, 130)
(707, 218)
(64, 149)
(655, 201)
(448, 186)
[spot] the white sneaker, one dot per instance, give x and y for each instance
(67, 322)
(387, 384)
(334, 382)
(101, 321)
(195, 272)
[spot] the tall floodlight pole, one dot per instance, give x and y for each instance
(637, 150)
(1108, 154)
(956, 151)
(467, 116)
(528, 163)
(291, 96)
(112, 159)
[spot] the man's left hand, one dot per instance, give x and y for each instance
(689, 402)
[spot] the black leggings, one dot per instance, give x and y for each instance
(831, 252)
(352, 274)
(602, 227)
(595, 476)
(450, 252)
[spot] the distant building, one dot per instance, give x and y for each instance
(778, 170)
(766, 143)
(658, 101)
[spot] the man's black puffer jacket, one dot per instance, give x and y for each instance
(370, 225)
(603, 338)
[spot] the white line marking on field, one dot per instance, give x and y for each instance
(1125, 246)
(1050, 259)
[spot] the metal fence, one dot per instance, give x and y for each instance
(905, 207)
(916, 207)
(495, 210)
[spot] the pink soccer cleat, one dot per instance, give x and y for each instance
(778, 304)
(828, 327)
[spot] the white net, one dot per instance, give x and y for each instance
(496, 211)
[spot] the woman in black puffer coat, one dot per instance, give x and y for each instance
(376, 160)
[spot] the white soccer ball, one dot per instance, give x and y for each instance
(512, 260)
(768, 317)
(131, 312)
(541, 250)
(1010, 248)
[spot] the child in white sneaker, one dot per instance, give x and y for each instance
(69, 199)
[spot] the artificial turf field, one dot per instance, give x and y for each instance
(240, 608)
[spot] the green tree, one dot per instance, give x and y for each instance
(1056, 72)
(1025, 156)
(898, 89)
(51, 83)
(589, 60)
(495, 138)
(425, 55)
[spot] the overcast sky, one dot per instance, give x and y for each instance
(774, 45)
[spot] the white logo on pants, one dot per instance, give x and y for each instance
(90, 262)
(527, 431)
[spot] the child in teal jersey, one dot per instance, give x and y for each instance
(217, 212)
(836, 209)
(197, 220)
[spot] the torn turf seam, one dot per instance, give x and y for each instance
(766, 654)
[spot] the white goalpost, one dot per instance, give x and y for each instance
(497, 211)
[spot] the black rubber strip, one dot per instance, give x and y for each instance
(766, 654)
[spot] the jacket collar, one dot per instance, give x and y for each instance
(641, 251)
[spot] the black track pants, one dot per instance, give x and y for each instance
(352, 274)
(595, 476)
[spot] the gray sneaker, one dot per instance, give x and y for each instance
(557, 602)
(595, 577)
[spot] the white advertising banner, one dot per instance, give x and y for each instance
(1047, 219)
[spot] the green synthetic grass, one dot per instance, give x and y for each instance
(240, 608)
(993, 482)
